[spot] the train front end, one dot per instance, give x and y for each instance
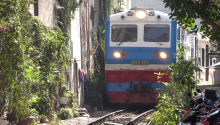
(139, 43)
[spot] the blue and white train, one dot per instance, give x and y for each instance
(139, 43)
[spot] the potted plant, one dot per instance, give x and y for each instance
(63, 92)
(65, 113)
(31, 115)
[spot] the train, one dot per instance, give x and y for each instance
(139, 43)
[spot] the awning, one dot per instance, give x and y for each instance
(215, 65)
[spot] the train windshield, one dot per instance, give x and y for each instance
(124, 33)
(156, 33)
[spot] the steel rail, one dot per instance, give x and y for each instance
(105, 118)
(139, 117)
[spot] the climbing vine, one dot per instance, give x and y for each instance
(66, 13)
(32, 58)
(95, 84)
(95, 90)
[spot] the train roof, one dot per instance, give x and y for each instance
(129, 16)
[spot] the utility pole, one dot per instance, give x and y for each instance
(88, 39)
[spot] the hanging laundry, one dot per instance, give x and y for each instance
(81, 75)
(84, 75)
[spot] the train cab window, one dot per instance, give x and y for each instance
(124, 33)
(156, 33)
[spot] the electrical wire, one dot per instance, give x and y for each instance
(151, 5)
(134, 2)
(90, 55)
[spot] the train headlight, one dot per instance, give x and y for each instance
(120, 54)
(163, 55)
(140, 14)
(117, 54)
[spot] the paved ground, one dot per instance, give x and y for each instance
(84, 120)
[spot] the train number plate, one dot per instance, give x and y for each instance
(139, 62)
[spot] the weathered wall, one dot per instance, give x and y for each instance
(84, 36)
(217, 77)
(46, 11)
(212, 79)
(47, 14)
(76, 85)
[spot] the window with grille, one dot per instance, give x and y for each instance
(203, 57)
(36, 8)
(199, 61)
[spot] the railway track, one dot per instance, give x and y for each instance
(124, 117)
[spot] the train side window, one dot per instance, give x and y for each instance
(156, 33)
(203, 57)
(124, 33)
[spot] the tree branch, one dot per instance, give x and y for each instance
(209, 21)
(4, 29)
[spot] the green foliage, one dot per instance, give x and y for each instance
(18, 71)
(75, 113)
(105, 10)
(66, 13)
(174, 96)
(63, 90)
(72, 99)
(94, 88)
(32, 112)
(34, 122)
(186, 11)
(98, 53)
(32, 58)
(65, 113)
(95, 83)
(183, 71)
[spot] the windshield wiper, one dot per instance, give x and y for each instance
(120, 43)
(154, 41)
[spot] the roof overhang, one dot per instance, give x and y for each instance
(214, 54)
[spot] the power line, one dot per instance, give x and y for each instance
(151, 5)
(134, 2)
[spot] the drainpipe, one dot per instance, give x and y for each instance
(72, 62)
(81, 46)
(88, 63)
